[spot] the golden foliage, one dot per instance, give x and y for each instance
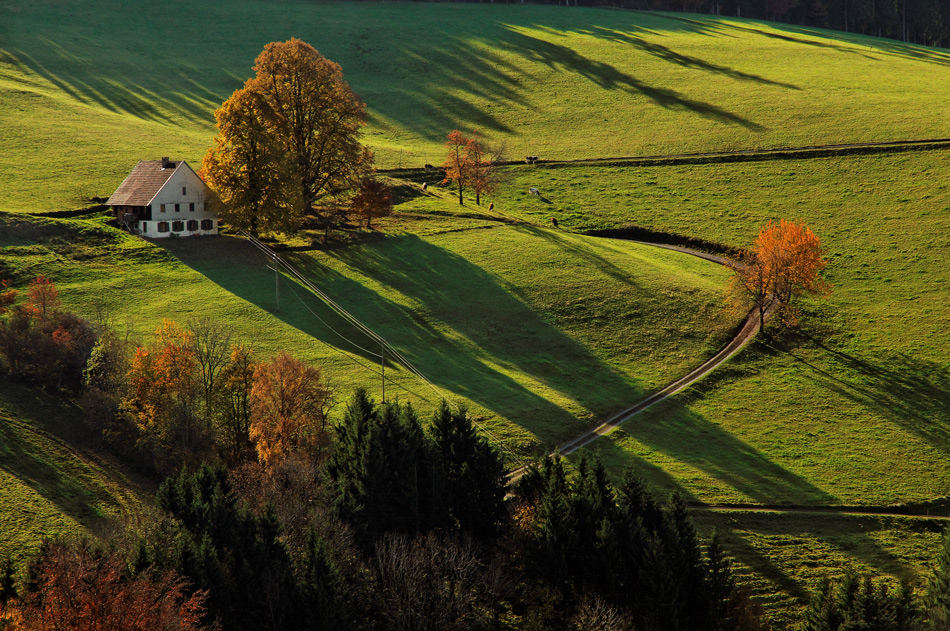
(250, 167)
(289, 406)
(288, 141)
(786, 262)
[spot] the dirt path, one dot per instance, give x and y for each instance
(743, 337)
(749, 328)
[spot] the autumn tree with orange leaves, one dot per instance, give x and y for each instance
(458, 164)
(471, 163)
(39, 341)
(786, 262)
(290, 401)
(164, 396)
(484, 159)
(373, 199)
(289, 142)
(250, 167)
(79, 590)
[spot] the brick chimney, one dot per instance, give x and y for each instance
(167, 164)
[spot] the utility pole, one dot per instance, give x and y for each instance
(276, 268)
(382, 363)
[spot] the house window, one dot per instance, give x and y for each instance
(144, 227)
(191, 207)
(178, 226)
(163, 207)
(177, 208)
(192, 225)
(207, 224)
(163, 226)
(184, 190)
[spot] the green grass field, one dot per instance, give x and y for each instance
(88, 95)
(50, 483)
(540, 332)
(782, 558)
(855, 407)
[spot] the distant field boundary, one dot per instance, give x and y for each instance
(938, 510)
(683, 243)
(716, 157)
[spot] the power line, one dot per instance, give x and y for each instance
(295, 274)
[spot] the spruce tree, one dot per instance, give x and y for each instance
(473, 481)
(320, 593)
(720, 585)
(682, 544)
(224, 548)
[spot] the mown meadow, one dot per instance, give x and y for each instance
(851, 408)
(89, 96)
(540, 332)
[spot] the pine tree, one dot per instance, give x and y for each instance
(224, 548)
(346, 465)
(321, 591)
(683, 548)
(473, 481)
(381, 467)
(720, 584)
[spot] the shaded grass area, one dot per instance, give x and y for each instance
(549, 81)
(855, 406)
(50, 484)
(540, 333)
(499, 335)
(782, 559)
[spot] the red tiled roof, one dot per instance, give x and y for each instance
(141, 185)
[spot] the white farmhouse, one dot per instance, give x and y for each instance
(163, 198)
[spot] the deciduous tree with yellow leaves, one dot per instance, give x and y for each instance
(290, 401)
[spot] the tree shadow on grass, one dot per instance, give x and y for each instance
(455, 322)
(48, 473)
(912, 393)
(609, 77)
(687, 61)
(790, 535)
(581, 251)
(192, 102)
(487, 322)
(678, 432)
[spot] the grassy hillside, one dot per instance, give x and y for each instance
(539, 332)
(49, 484)
(855, 408)
(92, 87)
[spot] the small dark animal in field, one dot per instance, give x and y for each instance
(554, 221)
(425, 185)
(534, 191)
(491, 206)
(428, 167)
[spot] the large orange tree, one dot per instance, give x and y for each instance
(301, 117)
(786, 262)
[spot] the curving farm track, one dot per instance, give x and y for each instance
(749, 328)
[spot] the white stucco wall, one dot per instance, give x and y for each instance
(183, 188)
